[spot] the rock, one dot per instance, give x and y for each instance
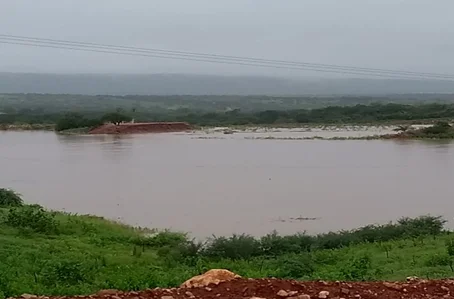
(392, 285)
(292, 293)
(323, 294)
(282, 293)
(345, 291)
(257, 298)
(208, 289)
(304, 296)
(189, 294)
(445, 288)
(214, 276)
(412, 278)
(167, 297)
(108, 292)
(115, 297)
(28, 296)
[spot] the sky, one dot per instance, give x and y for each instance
(415, 35)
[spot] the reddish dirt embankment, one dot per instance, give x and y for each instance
(132, 128)
(288, 289)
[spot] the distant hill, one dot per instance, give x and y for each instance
(182, 84)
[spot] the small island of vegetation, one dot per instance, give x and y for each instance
(440, 130)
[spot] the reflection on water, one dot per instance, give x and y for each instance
(222, 186)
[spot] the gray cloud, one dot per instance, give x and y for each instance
(413, 35)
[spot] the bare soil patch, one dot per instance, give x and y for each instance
(135, 128)
(291, 289)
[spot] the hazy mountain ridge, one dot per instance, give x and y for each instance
(184, 84)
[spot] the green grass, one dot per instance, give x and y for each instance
(52, 253)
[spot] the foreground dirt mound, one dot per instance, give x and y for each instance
(134, 128)
(289, 289)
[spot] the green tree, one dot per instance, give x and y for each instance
(116, 118)
(9, 198)
(74, 120)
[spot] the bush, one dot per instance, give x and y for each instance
(438, 260)
(296, 266)
(34, 218)
(404, 228)
(450, 248)
(358, 268)
(440, 127)
(65, 272)
(9, 198)
(274, 245)
(234, 247)
(75, 120)
(116, 118)
(422, 225)
(245, 247)
(162, 239)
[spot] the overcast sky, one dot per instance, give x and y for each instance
(412, 35)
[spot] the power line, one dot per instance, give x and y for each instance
(330, 66)
(213, 58)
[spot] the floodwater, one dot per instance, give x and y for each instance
(231, 184)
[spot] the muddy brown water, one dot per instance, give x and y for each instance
(230, 185)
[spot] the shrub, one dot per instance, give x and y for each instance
(65, 272)
(438, 260)
(440, 127)
(75, 120)
(422, 225)
(234, 247)
(274, 245)
(295, 266)
(9, 198)
(358, 268)
(450, 247)
(161, 239)
(186, 252)
(115, 117)
(32, 217)
(325, 257)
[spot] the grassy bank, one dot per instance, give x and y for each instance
(53, 253)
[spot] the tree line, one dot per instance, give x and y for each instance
(373, 113)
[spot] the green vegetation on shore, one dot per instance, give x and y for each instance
(54, 253)
(440, 130)
(358, 114)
